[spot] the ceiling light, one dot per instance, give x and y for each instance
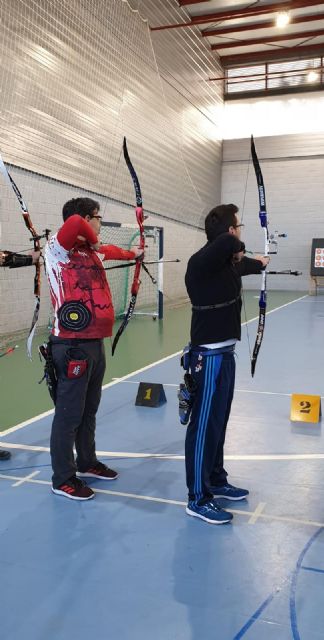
(312, 76)
(282, 19)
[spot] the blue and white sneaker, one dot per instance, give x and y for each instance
(210, 512)
(229, 492)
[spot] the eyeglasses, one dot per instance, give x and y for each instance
(98, 218)
(236, 226)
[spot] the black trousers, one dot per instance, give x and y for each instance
(80, 368)
(204, 448)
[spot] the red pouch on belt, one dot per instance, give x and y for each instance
(76, 368)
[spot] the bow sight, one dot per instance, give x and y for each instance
(273, 239)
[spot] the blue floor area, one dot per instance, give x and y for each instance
(130, 564)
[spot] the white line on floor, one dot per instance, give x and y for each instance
(276, 309)
(26, 422)
(121, 494)
(26, 478)
(106, 386)
(278, 456)
(165, 384)
(267, 393)
(175, 456)
(257, 513)
(169, 384)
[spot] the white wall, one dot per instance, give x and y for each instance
(293, 172)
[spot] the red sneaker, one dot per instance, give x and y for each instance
(74, 489)
(99, 470)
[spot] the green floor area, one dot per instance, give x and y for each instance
(143, 342)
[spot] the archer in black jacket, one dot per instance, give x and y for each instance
(213, 281)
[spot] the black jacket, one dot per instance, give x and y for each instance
(213, 278)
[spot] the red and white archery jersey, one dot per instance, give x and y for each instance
(79, 288)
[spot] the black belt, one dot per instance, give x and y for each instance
(216, 306)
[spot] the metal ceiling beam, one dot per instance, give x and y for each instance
(267, 40)
(242, 13)
(268, 24)
(295, 53)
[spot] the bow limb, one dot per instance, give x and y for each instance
(140, 221)
(28, 222)
(264, 224)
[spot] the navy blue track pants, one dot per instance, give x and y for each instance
(215, 377)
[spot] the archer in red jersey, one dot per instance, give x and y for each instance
(83, 316)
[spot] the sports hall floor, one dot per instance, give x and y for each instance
(130, 564)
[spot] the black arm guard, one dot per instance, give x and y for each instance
(14, 260)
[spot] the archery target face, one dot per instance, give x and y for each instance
(74, 316)
(319, 258)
